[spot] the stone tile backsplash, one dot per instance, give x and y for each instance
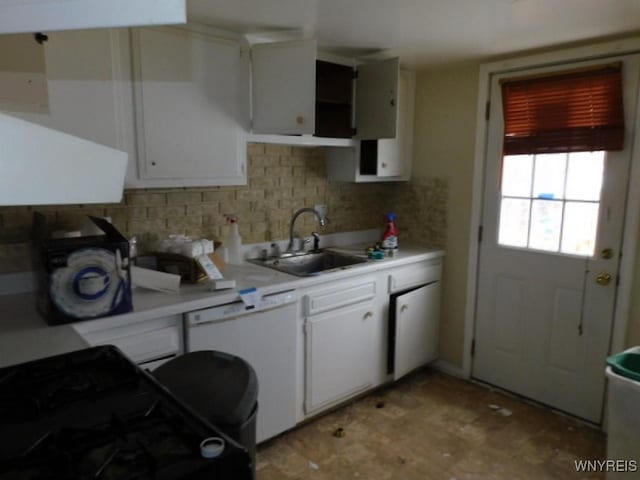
(281, 179)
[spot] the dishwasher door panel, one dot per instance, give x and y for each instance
(267, 340)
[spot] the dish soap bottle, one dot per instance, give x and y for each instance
(234, 240)
(390, 235)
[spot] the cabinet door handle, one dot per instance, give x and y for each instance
(404, 307)
(368, 315)
(299, 119)
(384, 165)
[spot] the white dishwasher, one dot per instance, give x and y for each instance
(265, 336)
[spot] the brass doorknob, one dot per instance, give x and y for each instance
(606, 253)
(603, 278)
(300, 120)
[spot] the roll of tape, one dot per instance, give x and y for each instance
(212, 447)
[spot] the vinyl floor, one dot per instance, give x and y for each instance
(431, 426)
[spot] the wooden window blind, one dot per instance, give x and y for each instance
(573, 111)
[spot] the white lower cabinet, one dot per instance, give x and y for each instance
(148, 343)
(340, 342)
(339, 355)
(416, 317)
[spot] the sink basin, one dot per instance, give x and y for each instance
(310, 263)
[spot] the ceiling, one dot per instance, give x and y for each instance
(427, 33)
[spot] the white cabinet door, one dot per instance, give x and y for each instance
(377, 99)
(395, 154)
(284, 87)
(339, 349)
(417, 315)
(267, 340)
(50, 15)
(83, 88)
(148, 342)
(188, 108)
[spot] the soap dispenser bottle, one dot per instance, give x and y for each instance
(234, 240)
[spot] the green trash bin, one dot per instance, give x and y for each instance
(623, 411)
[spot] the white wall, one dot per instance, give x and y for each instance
(444, 148)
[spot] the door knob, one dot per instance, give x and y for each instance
(300, 120)
(606, 253)
(603, 278)
(368, 315)
(404, 307)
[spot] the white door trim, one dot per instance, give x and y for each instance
(632, 214)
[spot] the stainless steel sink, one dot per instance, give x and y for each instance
(310, 263)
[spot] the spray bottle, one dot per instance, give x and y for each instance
(390, 235)
(234, 240)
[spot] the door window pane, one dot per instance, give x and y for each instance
(551, 202)
(584, 175)
(546, 222)
(548, 181)
(514, 222)
(580, 227)
(516, 175)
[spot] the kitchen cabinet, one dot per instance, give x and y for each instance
(50, 15)
(414, 316)
(189, 89)
(383, 159)
(79, 89)
(148, 343)
(297, 93)
(415, 320)
(340, 329)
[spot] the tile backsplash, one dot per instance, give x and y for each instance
(281, 179)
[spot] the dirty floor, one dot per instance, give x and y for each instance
(433, 427)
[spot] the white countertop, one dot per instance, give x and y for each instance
(25, 336)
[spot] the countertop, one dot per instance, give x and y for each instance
(25, 336)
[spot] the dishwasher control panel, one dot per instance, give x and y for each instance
(237, 309)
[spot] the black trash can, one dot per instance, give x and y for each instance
(220, 387)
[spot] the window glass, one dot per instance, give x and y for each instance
(550, 202)
(549, 175)
(516, 175)
(579, 228)
(584, 175)
(514, 222)
(546, 223)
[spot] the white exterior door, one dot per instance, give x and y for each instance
(549, 257)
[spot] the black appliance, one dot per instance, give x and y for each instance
(81, 278)
(93, 414)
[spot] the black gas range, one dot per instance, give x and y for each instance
(93, 414)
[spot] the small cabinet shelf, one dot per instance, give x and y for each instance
(334, 95)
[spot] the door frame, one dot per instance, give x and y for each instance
(632, 215)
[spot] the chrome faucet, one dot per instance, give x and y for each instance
(321, 221)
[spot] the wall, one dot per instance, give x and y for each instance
(281, 179)
(444, 148)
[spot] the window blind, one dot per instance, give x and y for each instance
(572, 111)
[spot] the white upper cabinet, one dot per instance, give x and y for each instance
(189, 108)
(376, 99)
(77, 90)
(52, 15)
(283, 87)
(295, 92)
(384, 159)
